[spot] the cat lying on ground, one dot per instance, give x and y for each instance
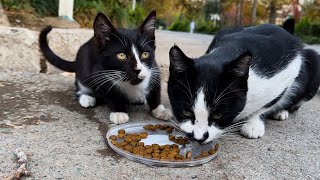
(245, 76)
(116, 66)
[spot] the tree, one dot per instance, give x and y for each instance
(254, 13)
(239, 12)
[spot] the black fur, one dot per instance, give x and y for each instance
(99, 55)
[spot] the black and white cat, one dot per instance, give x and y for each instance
(246, 76)
(116, 66)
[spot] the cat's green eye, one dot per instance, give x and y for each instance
(187, 113)
(121, 56)
(145, 55)
(217, 116)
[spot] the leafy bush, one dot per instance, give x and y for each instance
(45, 8)
(308, 31)
(17, 5)
(180, 24)
(205, 26)
(39, 7)
(136, 17)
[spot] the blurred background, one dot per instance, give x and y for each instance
(199, 16)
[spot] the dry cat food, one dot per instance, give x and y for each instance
(131, 143)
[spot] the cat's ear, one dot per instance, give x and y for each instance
(149, 24)
(103, 29)
(240, 66)
(179, 62)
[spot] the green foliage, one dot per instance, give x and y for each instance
(86, 10)
(308, 31)
(17, 5)
(45, 8)
(181, 23)
(136, 17)
(205, 26)
(39, 7)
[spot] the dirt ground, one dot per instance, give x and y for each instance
(39, 114)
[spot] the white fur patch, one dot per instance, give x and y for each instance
(187, 126)
(282, 115)
(254, 128)
(214, 133)
(262, 90)
(83, 89)
(162, 113)
(87, 101)
(201, 113)
(119, 117)
(137, 93)
(143, 69)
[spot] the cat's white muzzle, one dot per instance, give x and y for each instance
(205, 134)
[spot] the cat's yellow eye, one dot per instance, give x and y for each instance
(145, 55)
(217, 116)
(121, 56)
(187, 113)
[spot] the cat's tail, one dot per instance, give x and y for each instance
(51, 56)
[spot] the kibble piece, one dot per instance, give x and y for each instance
(147, 156)
(174, 146)
(158, 126)
(121, 131)
(128, 139)
(216, 147)
(171, 137)
(144, 135)
(169, 130)
(121, 136)
(149, 150)
(211, 151)
(141, 144)
(204, 153)
(113, 137)
(114, 142)
(181, 141)
(155, 146)
(198, 157)
(133, 143)
(179, 157)
(188, 154)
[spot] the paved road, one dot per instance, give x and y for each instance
(64, 141)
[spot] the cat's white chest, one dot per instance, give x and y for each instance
(135, 93)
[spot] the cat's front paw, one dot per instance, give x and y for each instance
(87, 101)
(282, 115)
(253, 129)
(119, 117)
(162, 113)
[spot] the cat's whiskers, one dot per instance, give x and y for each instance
(233, 128)
(185, 103)
(115, 82)
(221, 99)
(144, 40)
(223, 91)
(147, 43)
(103, 76)
(189, 91)
(118, 38)
(102, 79)
(98, 73)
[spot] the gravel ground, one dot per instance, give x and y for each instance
(40, 115)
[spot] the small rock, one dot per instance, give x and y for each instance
(194, 177)
(271, 149)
